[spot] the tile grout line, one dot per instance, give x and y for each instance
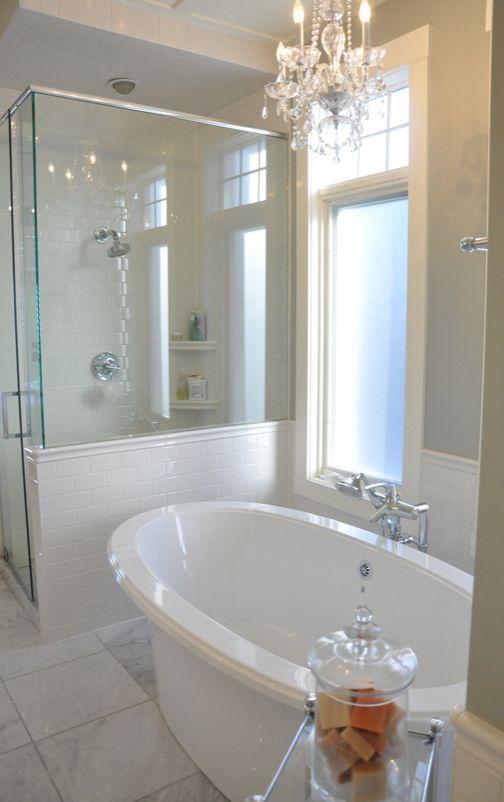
(55, 665)
(32, 742)
(94, 720)
(171, 785)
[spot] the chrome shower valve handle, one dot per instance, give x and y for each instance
(389, 509)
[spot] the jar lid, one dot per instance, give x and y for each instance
(359, 658)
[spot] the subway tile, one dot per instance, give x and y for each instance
(90, 514)
(73, 467)
(134, 458)
(137, 490)
(122, 476)
(53, 487)
(105, 495)
(105, 462)
(125, 508)
(59, 520)
(67, 501)
(90, 481)
(224, 446)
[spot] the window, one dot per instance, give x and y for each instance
(362, 234)
(367, 269)
(385, 142)
(155, 202)
(244, 175)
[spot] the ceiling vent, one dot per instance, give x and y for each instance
(123, 86)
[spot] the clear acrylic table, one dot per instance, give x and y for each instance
(291, 782)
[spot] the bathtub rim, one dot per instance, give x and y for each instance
(219, 646)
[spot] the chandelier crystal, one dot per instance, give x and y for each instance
(323, 88)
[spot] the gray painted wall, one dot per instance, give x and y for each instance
(459, 121)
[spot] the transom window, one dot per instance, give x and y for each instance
(155, 203)
(385, 142)
(244, 175)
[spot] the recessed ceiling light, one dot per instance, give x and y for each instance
(123, 86)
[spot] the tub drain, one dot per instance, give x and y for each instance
(365, 570)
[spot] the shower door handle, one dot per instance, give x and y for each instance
(5, 414)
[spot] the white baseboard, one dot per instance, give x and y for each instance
(478, 771)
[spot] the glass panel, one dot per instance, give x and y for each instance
(398, 148)
(164, 306)
(250, 188)
(377, 120)
(231, 163)
(231, 193)
(399, 107)
(373, 154)
(365, 404)
(13, 514)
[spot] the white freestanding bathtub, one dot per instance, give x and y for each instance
(236, 593)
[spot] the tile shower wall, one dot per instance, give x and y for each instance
(83, 312)
(79, 495)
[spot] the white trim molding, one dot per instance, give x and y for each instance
(478, 770)
(409, 52)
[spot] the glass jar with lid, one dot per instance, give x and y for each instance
(362, 682)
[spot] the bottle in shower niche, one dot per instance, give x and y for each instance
(197, 325)
(182, 393)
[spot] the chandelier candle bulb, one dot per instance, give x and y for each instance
(365, 18)
(298, 16)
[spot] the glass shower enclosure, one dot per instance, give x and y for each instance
(144, 264)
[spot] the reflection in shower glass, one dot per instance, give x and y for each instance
(204, 211)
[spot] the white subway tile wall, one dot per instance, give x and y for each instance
(76, 502)
(449, 485)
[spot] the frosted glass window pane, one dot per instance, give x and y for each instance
(262, 154)
(398, 148)
(160, 189)
(373, 154)
(262, 185)
(231, 163)
(250, 158)
(250, 188)
(399, 107)
(377, 120)
(368, 294)
(160, 215)
(231, 193)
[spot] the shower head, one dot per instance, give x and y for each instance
(117, 248)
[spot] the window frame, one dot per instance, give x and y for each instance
(409, 52)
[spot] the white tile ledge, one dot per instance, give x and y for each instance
(484, 741)
(450, 461)
(156, 440)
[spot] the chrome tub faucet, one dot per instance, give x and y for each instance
(390, 509)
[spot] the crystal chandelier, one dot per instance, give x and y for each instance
(323, 88)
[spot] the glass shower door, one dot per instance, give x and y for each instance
(14, 532)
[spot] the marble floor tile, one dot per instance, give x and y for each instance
(12, 730)
(24, 777)
(120, 758)
(23, 660)
(11, 612)
(70, 694)
(193, 789)
(119, 634)
(18, 637)
(130, 644)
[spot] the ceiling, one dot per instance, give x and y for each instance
(258, 20)
(49, 51)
